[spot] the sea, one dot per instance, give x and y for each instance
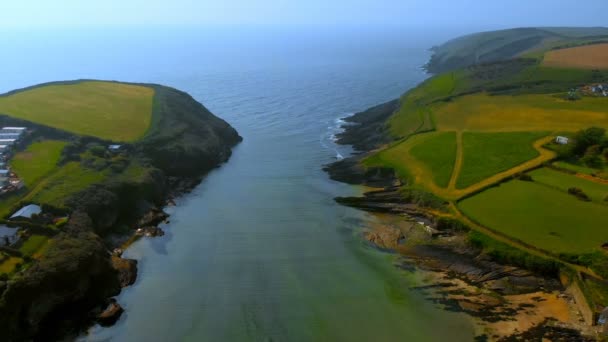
(259, 251)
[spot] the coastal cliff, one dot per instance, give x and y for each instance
(69, 288)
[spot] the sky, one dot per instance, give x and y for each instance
(479, 14)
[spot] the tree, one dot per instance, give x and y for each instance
(592, 157)
(588, 137)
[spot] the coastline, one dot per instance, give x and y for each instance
(75, 284)
(504, 302)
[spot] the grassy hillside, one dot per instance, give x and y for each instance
(107, 110)
(479, 135)
(495, 46)
(38, 160)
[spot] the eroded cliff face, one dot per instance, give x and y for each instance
(185, 138)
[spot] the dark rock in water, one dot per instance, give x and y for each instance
(350, 171)
(475, 269)
(152, 218)
(111, 314)
(127, 270)
(367, 130)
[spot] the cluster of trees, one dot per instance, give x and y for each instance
(590, 147)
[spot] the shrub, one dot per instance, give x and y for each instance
(446, 223)
(506, 254)
(578, 193)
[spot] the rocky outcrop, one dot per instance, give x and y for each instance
(367, 130)
(111, 314)
(126, 269)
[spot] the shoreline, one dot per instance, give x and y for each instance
(504, 302)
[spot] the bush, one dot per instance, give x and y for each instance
(524, 177)
(506, 254)
(446, 223)
(423, 198)
(578, 193)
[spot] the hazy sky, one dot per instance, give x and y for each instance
(302, 13)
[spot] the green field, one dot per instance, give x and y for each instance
(540, 216)
(486, 154)
(37, 160)
(563, 181)
(532, 112)
(413, 115)
(67, 180)
(33, 244)
(438, 154)
(113, 111)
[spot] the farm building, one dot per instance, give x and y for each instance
(562, 140)
(114, 148)
(27, 211)
(8, 235)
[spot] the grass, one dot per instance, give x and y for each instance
(575, 168)
(113, 111)
(37, 160)
(533, 112)
(438, 154)
(413, 115)
(540, 216)
(585, 57)
(413, 170)
(562, 181)
(33, 244)
(67, 180)
(9, 265)
(486, 154)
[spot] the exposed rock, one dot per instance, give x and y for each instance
(384, 237)
(367, 130)
(111, 314)
(127, 270)
(153, 218)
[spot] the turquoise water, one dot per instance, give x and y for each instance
(260, 251)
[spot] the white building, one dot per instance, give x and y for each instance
(562, 140)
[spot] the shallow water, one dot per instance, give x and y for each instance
(260, 251)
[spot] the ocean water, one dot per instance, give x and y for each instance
(259, 251)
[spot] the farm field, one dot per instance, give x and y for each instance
(563, 181)
(585, 57)
(400, 158)
(107, 110)
(540, 216)
(438, 154)
(482, 112)
(39, 159)
(486, 154)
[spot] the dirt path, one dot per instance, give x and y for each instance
(545, 155)
(457, 163)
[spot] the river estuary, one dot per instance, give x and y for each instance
(260, 251)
